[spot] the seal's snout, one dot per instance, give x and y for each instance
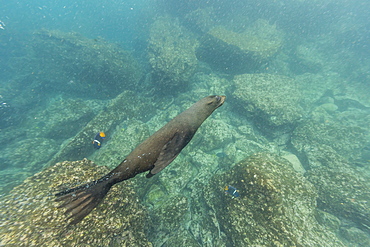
(221, 99)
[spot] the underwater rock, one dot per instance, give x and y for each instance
(11, 177)
(75, 64)
(355, 236)
(319, 90)
(216, 132)
(329, 107)
(167, 223)
(276, 207)
(177, 177)
(343, 192)
(271, 101)
(239, 53)
(308, 59)
(124, 138)
(38, 139)
(207, 81)
(29, 154)
(242, 147)
(182, 237)
(328, 220)
(347, 141)
(202, 221)
(171, 51)
(296, 163)
(171, 214)
(61, 119)
(202, 19)
(155, 196)
(32, 218)
(116, 111)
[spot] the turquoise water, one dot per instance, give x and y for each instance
(296, 77)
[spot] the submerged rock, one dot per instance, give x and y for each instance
(240, 52)
(122, 141)
(32, 218)
(61, 119)
(276, 207)
(343, 193)
(272, 101)
(107, 120)
(72, 63)
(201, 19)
(171, 52)
(319, 141)
(29, 154)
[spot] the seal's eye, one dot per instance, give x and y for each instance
(218, 98)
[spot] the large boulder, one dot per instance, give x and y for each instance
(119, 109)
(321, 142)
(122, 141)
(29, 154)
(276, 206)
(343, 192)
(32, 218)
(171, 51)
(240, 52)
(271, 101)
(61, 119)
(75, 64)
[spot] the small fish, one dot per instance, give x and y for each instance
(2, 25)
(232, 191)
(98, 140)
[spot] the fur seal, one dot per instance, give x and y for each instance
(153, 155)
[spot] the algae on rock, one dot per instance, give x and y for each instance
(201, 19)
(62, 118)
(346, 141)
(276, 205)
(240, 52)
(87, 67)
(272, 101)
(124, 138)
(343, 192)
(171, 53)
(32, 218)
(116, 111)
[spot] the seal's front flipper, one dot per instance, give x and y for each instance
(80, 201)
(170, 151)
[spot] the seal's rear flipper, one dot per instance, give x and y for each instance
(80, 201)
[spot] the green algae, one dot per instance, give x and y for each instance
(122, 140)
(246, 42)
(343, 192)
(240, 52)
(76, 64)
(271, 101)
(116, 111)
(276, 205)
(347, 141)
(171, 53)
(32, 218)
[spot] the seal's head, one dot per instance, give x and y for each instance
(215, 100)
(204, 107)
(212, 102)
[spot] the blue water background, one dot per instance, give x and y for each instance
(126, 23)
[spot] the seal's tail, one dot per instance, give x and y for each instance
(80, 201)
